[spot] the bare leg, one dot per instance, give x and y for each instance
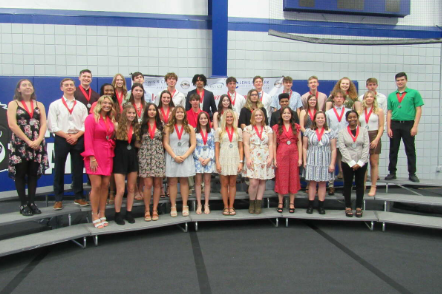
(224, 190)
(374, 160)
(103, 195)
(232, 190)
(156, 192)
(95, 195)
(322, 187)
(261, 189)
(312, 190)
(173, 189)
(198, 181)
(253, 189)
(120, 186)
(184, 189)
(112, 190)
(207, 179)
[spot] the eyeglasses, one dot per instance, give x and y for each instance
(253, 94)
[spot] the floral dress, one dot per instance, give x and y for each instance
(205, 151)
(151, 156)
(259, 153)
(20, 151)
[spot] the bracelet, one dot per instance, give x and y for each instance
(93, 160)
(241, 161)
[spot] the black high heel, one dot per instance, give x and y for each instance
(292, 210)
(280, 209)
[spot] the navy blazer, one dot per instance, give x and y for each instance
(209, 104)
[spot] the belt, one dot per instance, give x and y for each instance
(403, 121)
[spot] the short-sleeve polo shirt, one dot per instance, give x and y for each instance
(407, 111)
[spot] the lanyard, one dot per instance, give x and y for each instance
(66, 105)
(179, 133)
(367, 116)
(259, 133)
(339, 117)
(234, 100)
(106, 122)
(204, 136)
(230, 134)
(316, 94)
(399, 98)
(129, 134)
(351, 134)
(165, 115)
(120, 99)
(138, 112)
(87, 96)
(312, 116)
(153, 129)
(319, 134)
(31, 113)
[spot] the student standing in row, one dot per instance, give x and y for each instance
(223, 104)
(121, 93)
(165, 106)
(98, 156)
(207, 100)
(28, 158)
(151, 159)
(178, 98)
(295, 102)
(308, 113)
(252, 103)
(372, 85)
(264, 98)
(350, 95)
(203, 156)
(194, 111)
(126, 162)
(137, 100)
(321, 98)
(229, 158)
(258, 150)
(179, 142)
(84, 92)
(287, 157)
(283, 102)
(66, 118)
(236, 99)
(319, 153)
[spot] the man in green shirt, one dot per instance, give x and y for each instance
(403, 116)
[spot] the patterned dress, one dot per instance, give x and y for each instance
(151, 156)
(259, 153)
(318, 156)
(228, 156)
(20, 151)
(287, 157)
(207, 152)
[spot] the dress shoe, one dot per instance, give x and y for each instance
(34, 208)
(58, 205)
(331, 191)
(321, 209)
(390, 177)
(414, 178)
(81, 202)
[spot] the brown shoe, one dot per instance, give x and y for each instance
(58, 205)
(331, 190)
(81, 202)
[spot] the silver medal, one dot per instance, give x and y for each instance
(231, 145)
(129, 147)
(71, 118)
(179, 143)
(107, 137)
(288, 142)
(353, 145)
(400, 106)
(89, 105)
(320, 144)
(204, 148)
(32, 122)
(367, 127)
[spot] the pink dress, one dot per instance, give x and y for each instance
(96, 144)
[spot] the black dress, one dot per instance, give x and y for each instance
(125, 161)
(20, 151)
(246, 115)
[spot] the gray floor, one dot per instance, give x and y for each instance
(236, 257)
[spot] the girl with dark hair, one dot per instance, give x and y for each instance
(137, 99)
(307, 115)
(126, 162)
(28, 158)
(165, 106)
(179, 142)
(203, 156)
(287, 157)
(319, 153)
(151, 159)
(223, 104)
(354, 144)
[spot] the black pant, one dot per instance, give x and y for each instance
(62, 148)
(401, 130)
(359, 175)
(26, 174)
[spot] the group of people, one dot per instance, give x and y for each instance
(117, 135)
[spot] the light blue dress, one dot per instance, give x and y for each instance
(208, 152)
(187, 167)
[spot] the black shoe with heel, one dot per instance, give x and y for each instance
(321, 209)
(310, 206)
(33, 207)
(25, 210)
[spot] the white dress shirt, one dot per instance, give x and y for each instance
(59, 118)
(333, 121)
(240, 101)
(266, 101)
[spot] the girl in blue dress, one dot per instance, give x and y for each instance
(203, 156)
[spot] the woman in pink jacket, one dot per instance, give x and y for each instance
(98, 156)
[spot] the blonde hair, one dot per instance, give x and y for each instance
(249, 102)
(375, 103)
(252, 119)
(114, 82)
(121, 132)
(97, 109)
(172, 121)
(223, 123)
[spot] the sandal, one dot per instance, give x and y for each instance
(372, 192)
(206, 209)
(147, 217)
(232, 211)
(226, 211)
(103, 220)
(358, 212)
(139, 196)
(280, 207)
(173, 212)
(348, 212)
(155, 215)
(185, 210)
(292, 210)
(98, 224)
(199, 209)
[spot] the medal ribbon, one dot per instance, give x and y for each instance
(138, 112)
(351, 134)
(165, 115)
(399, 98)
(230, 134)
(152, 130)
(261, 94)
(173, 93)
(312, 115)
(316, 94)
(319, 134)
(204, 137)
(290, 93)
(129, 134)
(87, 96)
(339, 117)
(120, 99)
(259, 133)
(234, 100)
(367, 116)
(31, 113)
(66, 105)
(106, 122)
(201, 95)
(179, 133)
